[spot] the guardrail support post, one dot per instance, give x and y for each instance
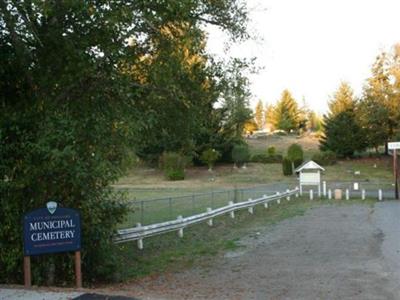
(311, 194)
(324, 188)
(180, 230)
(330, 194)
(266, 204)
(288, 196)
(250, 209)
(232, 213)
(380, 195)
(363, 194)
(279, 200)
(209, 221)
(139, 241)
(347, 194)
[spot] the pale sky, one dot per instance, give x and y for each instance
(309, 46)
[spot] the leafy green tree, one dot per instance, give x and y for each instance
(259, 115)
(342, 134)
(236, 95)
(76, 78)
(286, 113)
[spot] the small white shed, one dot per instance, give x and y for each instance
(310, 174)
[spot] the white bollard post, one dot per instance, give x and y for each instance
(330, 194)
(180, 230)
(209, 221)
(311, 194)
(363, 195)
(288, 196)
(232, 213)
(324, 188)
(266, 204)
(380, 195)
(279, 200)
(347, 194)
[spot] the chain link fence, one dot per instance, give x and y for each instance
(165, 209)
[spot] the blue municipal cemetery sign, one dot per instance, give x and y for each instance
(52, 229)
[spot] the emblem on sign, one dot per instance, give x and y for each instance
(51, 206)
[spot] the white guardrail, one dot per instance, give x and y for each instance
(139, 232)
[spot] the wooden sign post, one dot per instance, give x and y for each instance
(394, 146)
(52, 230)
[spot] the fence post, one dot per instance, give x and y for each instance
(232, 213)
(363, 194)
(250, 209)
(180, 230)
(288, 196)
(297, 192)
(209, 221)
(311, 194)
(140, 241)
(380, 195)
(347, 194)
(324, 188)
(330, 194)
(279, 200)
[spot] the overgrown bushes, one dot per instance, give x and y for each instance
(269, 157)
(173, 165)
(325, 158)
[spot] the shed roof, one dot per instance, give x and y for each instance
(310, 165)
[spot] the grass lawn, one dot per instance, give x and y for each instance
(201, 244)
(149, 184)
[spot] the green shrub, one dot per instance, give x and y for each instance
(325, 158)
(295, 153)
(287, 166)
(297, 163)
(240, 154)
(267, 159)
(173, 165)
(209, 157)
(271, 151)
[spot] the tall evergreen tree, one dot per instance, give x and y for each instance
(343, 100)
(259, 115)
(342, 134)
(286, 113)
(373, 111)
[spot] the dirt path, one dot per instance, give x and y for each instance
(332, 252)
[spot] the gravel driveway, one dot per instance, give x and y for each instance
(332, 252)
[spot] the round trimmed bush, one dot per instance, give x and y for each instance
(240, 154)
(295, 153)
